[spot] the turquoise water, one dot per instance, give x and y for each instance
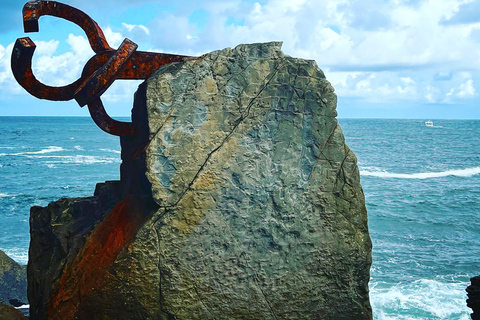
(421, 186)
(43, 159)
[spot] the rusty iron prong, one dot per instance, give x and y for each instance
(106, 123)
(141, 64)
(99, 72)
(33, 10)
(21, 63)
(100, 80)
(30, 16)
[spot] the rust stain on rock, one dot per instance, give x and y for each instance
(87, 271)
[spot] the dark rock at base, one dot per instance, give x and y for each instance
(58, 233)
(13, 281)
(10, 313)
(473, 293)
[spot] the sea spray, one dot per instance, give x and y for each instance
(438, 298)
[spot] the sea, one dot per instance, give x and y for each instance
(421, 184)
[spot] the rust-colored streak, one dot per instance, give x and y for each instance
(87, 272)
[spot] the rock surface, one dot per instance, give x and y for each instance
(473, 301)
(13, 282)
(58, 232)
(241, 200)
(10, 313)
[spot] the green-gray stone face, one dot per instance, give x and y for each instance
(262, 213)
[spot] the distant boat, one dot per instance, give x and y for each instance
(429, 123)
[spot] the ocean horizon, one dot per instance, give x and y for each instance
(421, 186)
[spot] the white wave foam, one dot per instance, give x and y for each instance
(79, 148)
(47, 150)
(27, 153)
(24, 306)
(19, 255)
(79, 159)
(110, 150)
(468, 172)
(435, 299)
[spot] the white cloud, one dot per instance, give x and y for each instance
(132, 27)
(46, 48)
(63, 69)
(121, 90)
(257, 9)
(466, 89)
(80, 46)
(328, 36)
(408, 88)
(5, 72)
(114, 39)
(371, 49)
(376, 87)
(432, 94)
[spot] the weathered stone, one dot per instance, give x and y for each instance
(248, 204)
(262, 213)
(13, 281)
(10, 313)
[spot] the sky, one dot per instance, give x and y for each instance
(417, 59)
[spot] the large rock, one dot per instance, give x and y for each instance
(240, 201)
(13, 282)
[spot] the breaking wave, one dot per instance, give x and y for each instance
(420, 299)
(78, 159)
(43, 151)
(27, 153)
(468, 172)
(111, 150)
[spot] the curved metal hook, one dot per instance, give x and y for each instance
(107, 124)
(33, 10)
(98, 82)
(92, 88)
(22, 71)
(99, 72)
(24, 47)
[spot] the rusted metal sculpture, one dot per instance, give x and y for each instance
(99, 72)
